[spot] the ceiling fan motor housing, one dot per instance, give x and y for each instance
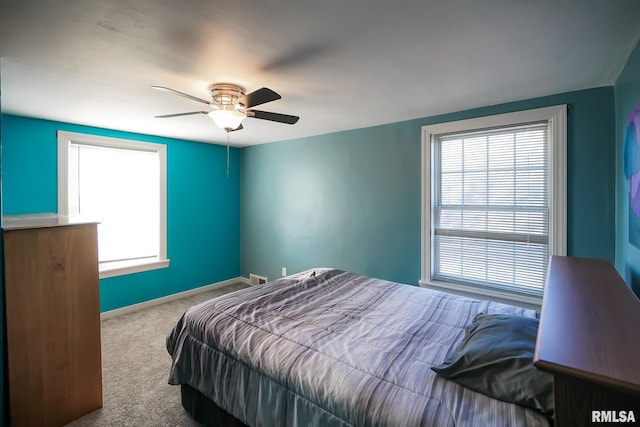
(228, 94)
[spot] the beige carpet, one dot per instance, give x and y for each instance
(135, 367)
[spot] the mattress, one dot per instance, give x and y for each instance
(331, 348)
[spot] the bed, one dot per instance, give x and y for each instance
(327, 347)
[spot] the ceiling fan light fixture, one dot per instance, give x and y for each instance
(227, 117)
(231, 105)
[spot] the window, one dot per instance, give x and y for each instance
(120, 184)
(493, 203)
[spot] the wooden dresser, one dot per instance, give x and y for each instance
(589, 339)
(53, 320)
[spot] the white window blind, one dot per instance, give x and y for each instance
(121, 184)
(494, 203)
(118, 188)
(491, 208)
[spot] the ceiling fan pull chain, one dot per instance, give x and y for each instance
(227, 153)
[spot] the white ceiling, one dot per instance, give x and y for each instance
(338, 64)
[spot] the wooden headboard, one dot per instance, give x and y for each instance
(589, 339)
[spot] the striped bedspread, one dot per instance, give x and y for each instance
(331, 348)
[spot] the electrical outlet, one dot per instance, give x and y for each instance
(284, 271)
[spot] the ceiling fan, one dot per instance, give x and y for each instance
(231, 105)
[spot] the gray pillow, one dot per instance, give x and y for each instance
(495, 358)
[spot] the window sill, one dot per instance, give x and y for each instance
(129, 267)
(532, 303)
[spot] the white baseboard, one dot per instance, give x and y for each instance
(135, 307)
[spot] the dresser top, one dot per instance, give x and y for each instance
(589, 324)
(18, 222)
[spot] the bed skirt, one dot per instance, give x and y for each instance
(205, 411)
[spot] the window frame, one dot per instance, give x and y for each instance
(556, 118)
(112, 269)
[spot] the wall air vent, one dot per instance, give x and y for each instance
(257, 280)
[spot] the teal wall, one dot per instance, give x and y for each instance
(351, 199)
(203, 205)
(627, 96)
(4, 386)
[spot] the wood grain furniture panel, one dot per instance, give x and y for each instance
(589, 339)
(53, 323)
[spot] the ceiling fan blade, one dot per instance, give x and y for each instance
(274, 117)
(260, 96)
(166, 116)
(185, 95)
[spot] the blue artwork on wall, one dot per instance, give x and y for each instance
(632, 173)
